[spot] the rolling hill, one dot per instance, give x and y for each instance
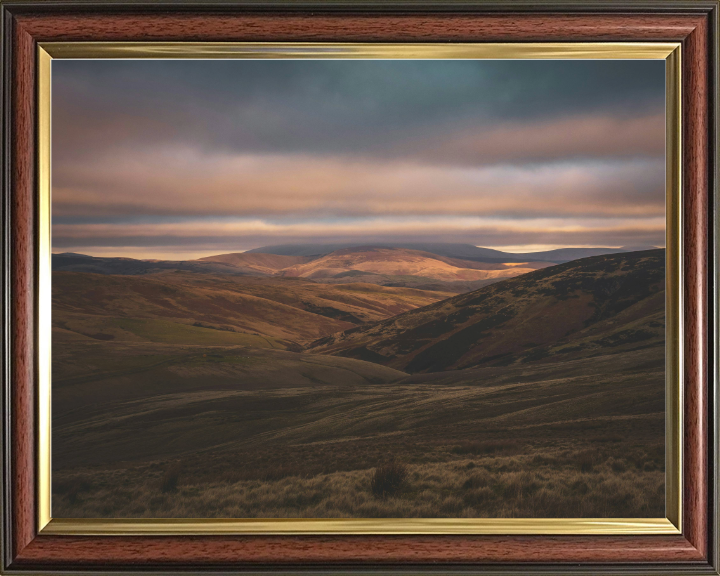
(599, 305)
(451, 250)
(240, 263)
(395, 267)
(268, 264)
(71, 262)
(186, 308)
(400, 262)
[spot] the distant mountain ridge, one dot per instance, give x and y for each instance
(71, 262)
(399, 262)
(439, 267)
(394, 267)
(450, 250)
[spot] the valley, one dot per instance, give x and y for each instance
(278, 385)
(574, 310)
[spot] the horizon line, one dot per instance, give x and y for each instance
(185, 255)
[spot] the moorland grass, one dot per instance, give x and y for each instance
(527, 441)
(547, 483)
(157, 330)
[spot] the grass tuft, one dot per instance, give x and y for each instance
(170, 479)
(587, 460)
(487, 447)
(388, 480)
(72, 488)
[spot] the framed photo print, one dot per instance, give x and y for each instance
(359, 287)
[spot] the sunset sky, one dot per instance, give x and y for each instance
(183, 159)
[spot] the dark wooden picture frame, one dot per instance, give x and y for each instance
(694, 24)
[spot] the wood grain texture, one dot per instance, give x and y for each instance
(696, 194)
(215, 552)
(32, 552)
(359, 28)
(22, 293)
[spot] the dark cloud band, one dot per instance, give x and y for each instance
(303, 140)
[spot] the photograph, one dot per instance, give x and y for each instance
(358, 288)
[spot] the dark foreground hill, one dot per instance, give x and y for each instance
(159, 430)
(589, 307)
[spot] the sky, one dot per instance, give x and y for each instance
(183, 159)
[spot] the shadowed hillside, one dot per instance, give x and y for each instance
(599, 305)
(141, 399)
(168, 431)
(70, 262)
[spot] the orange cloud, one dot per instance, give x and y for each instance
(185, 182)
(235, 228)
(587, 136)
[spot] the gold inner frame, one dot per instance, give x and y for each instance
(668, 51)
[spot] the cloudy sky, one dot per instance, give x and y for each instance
(183, 159)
